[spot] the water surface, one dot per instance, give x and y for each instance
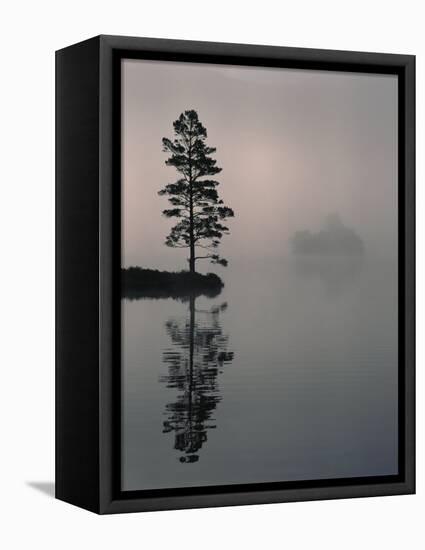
(289, 374)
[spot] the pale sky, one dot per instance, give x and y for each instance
(294, 145)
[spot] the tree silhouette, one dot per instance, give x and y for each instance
(194, 196)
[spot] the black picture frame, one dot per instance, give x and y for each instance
(88, 273)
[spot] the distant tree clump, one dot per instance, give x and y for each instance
(334, 238)
(194, 197)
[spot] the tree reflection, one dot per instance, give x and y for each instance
(336, 274)
(198, 354)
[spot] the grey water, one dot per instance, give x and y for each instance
(289, 374)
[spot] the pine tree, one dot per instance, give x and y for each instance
(194, 197)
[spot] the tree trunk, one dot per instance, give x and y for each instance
(191, 235)
(191, 232)
(191, 224)
(192, 258)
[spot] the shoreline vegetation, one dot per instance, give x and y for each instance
(137, 282)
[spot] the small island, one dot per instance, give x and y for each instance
(151, 283)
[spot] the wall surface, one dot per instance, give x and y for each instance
(30, 33)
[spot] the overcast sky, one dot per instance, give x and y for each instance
(294, 145)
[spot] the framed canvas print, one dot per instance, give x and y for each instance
(235, 274)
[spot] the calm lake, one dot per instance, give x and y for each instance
(290, 373)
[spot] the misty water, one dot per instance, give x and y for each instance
(290, 373)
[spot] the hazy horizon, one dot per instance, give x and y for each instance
(295, 146)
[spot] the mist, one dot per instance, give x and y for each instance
(295, 146)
